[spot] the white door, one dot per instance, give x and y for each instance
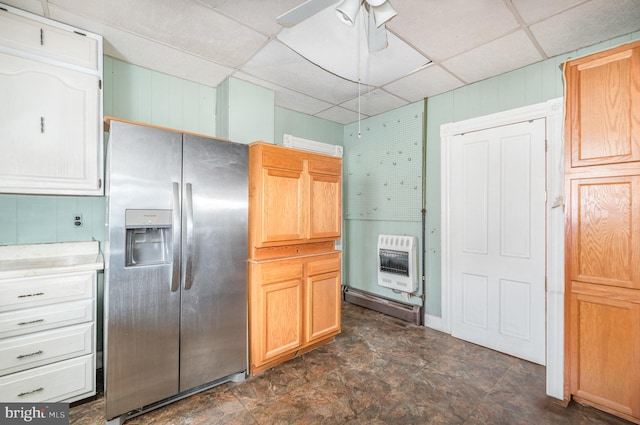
(497, 238)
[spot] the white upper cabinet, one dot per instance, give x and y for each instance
(51, 109)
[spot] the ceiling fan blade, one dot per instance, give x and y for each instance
(376, 36)
(303, 11)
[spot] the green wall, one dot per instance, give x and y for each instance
(383, 186)
(305, 126)
(245, 112)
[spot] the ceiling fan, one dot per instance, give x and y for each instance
(379, 13)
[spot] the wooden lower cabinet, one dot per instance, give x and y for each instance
(294, 306)
(605, 348)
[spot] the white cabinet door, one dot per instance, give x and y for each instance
(49, 128)
(59, 43)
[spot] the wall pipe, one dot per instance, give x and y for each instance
(424, 211)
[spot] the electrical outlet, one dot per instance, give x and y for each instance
(77, 220)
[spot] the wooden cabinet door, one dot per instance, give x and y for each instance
(604, 247)
(603, 107)
(276, 322)
(605, 342)
(324, 206)
(283, 213)
(322, 308)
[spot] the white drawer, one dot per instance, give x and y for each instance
(35, 291)
(68, 381)
(38, 38)
(38, 349)
(20, 322)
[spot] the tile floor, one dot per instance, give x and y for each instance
(380, 370)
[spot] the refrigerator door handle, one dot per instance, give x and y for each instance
(188, 246)
(175, 265)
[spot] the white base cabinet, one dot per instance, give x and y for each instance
(48, 321)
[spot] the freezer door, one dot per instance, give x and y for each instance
(142, 312)
(214, 286)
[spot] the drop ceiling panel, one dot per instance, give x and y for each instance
(583, 25)
(184, 25)
(143, 52)
(535, 11)
(260, 15)
(287, 98)
(340, 115)
(428, 82)
(442, 29)
(497, 57)
(280, 65)
(374, 102)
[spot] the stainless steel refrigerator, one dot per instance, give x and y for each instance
(176, 269)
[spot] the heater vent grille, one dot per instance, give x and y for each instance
(397, 262)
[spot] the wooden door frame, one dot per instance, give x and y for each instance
(553, 113)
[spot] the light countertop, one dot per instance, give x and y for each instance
(37, 259)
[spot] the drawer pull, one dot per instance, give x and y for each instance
(22, 356)
(37, 390)
(31, 295)
(30, 322)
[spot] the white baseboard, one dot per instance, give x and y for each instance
(435, 322)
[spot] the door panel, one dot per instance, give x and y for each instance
(281, 305)
(214, 300)
(602, 104)
(142, 313)
(606, 336)
(325, 201)
(497, 251)
(323, 305)
(605, 235)
(283, 210)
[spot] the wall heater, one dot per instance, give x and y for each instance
(397, 262)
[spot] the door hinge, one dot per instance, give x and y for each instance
(99, 84)
(99, 183)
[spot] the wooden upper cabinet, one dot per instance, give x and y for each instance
(295, 198)
(603, 108)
